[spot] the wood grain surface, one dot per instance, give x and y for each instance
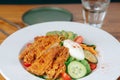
(14, 14)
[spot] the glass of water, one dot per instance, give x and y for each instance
(94, 11)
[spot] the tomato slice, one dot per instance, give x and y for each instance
(65, 76)
(26, 64)
(92, 66)
(79, 39)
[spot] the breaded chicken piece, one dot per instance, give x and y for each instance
(41, 64)
(37, 48)
(58, 65)
(46, 56)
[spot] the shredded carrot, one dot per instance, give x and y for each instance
(89, 48)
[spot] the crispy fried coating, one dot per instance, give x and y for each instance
(58, 65)
(38, 47)
(46, 56)
(43, 62)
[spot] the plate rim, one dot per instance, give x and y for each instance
(60, 22)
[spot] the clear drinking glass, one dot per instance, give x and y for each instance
(94, 11)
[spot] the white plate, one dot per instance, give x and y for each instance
(108, 47)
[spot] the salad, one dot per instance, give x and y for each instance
(61, 55)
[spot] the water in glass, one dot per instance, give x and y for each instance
(94, 12)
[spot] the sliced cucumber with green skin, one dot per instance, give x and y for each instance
(86, 64)
(58, 33)
(51, 33)
(64, 33)
(54, 33)
(71, 35)
(69, 60)
(76, 69)
(90, 57)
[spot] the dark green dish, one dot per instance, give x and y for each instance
(46, 14)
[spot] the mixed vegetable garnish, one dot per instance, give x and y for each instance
(82, 60)
(76, 58)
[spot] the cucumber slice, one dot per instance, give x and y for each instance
(51, 33)
(64, 33)
(69, 60)
(58, 33)
(71, 35)
(90, 57)
(54, 33)
(86, 64)
(76, 69)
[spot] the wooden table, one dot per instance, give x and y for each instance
(14, 13)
